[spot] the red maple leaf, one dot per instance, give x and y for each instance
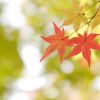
(57, 41)
(84, 43)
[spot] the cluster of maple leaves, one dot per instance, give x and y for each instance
(82, 43)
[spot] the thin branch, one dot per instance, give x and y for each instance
(94, 14)
(88, 21)
(91, 6)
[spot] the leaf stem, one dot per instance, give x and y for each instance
(94, 14)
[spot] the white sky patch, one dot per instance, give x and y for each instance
(30, 84)
(33, 68)
(18, 96)
(67, 67)
(31, 58)
(96, 84)
(12, 15)
(32, 78)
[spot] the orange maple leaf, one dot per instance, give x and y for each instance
(84, 43)
(57, 41)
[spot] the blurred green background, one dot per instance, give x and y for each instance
(22, 22)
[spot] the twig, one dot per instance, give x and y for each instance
(88, 21)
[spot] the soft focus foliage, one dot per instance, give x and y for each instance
(10, 62)
(71, 80)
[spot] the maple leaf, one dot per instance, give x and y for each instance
(74, 15)
(84, 43)
(57, 41)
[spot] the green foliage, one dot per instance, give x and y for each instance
(10, 62)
